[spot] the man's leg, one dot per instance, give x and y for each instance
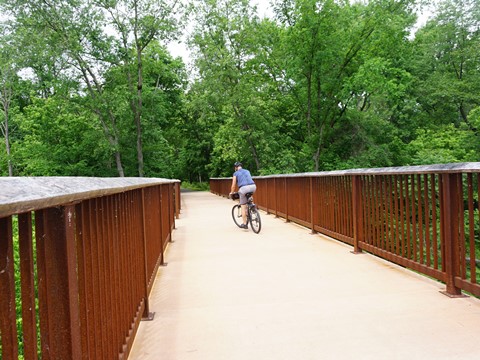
(244, 214)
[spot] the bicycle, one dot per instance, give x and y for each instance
(253, 216)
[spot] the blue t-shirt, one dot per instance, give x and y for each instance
(243, 177)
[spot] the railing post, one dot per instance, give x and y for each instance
(171, 216)
(147, 315)
(8, 328)
(177, 200)
(267, 196)
(58, 283)
(450, 226)
(313, 207)
(357, 204)
(163, 238)
(286, 201)
(275, 196)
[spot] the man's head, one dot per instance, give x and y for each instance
(237, 164)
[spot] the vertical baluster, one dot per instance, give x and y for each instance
(119, 296)
(435, 250)
(397, 214)
(420, 219)
(29, 322)
(391, 231)
(462, 266)
(383, 212)
(368, 209)
(82, 235)
(337, 196)
(57, 283)
(344, 207)
(8, 328)
(402, 218)
(124, 265)
(96, 278)
(376, 205)
(408, 218)
(428, 224)
(471, 229)
(108, 277)
(369, 217)
(102, 275)
(414, 220)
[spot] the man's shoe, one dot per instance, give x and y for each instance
(244, 226)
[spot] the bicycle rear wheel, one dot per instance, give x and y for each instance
(255, 221)
(237, 215)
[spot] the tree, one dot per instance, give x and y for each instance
(74, 33)
(51, 146)
(329, 43)
(224, 42)
(446, 63)
(7, 77)
(138, 23)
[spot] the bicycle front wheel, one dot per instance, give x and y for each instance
(237, 215)
(255, 221)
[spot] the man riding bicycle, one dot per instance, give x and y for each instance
(245, 183)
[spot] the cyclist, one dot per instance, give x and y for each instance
(245, 183)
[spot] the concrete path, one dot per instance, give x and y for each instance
(230, 294)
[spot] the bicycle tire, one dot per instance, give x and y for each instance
(237, 215)
(254, 219)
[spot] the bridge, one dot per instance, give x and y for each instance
(228, 293)
(367, 264)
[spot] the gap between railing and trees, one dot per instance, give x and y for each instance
(425, 218)
(78, 257)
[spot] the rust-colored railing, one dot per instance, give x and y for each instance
(425, 218)
(78, 258)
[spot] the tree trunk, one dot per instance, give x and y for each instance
(308, 115)
(138, 114)
(6, 96)
(316, 156)
(112, 136)
(118, 161)
(7, 144)
(138, 107)
(253, 148)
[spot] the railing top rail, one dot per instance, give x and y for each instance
(469, 167)
(22, 194)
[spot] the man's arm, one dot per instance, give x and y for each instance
(234, 184)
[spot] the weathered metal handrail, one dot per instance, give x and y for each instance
(425, 218)
(87, 253)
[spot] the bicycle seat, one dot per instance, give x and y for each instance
(249, 194)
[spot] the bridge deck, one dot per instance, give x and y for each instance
(230, 294)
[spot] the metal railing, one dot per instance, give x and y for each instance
(78, 258)
(425, 218)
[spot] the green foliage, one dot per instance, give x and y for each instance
(196, 186)
(445, 144)
(325, 85)
(56, 141)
